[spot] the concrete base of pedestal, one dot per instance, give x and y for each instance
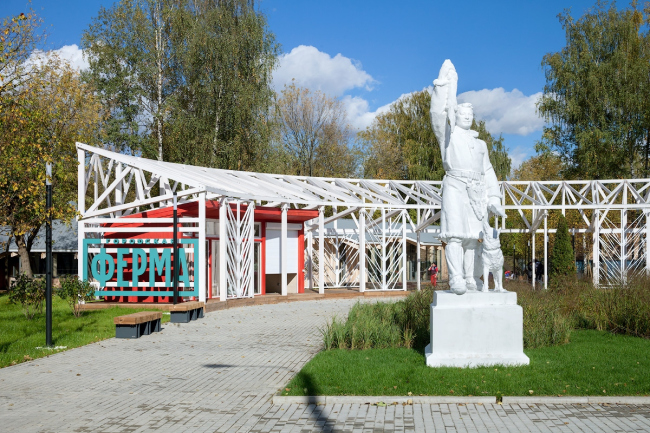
(476, 329)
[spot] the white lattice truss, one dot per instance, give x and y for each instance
(239, 262)
(123, 185)
(386, 246)
(341, 253)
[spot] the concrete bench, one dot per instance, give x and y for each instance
(183, 313)
(137, 324)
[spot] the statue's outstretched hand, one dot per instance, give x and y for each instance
(439, 82)
(494, 206)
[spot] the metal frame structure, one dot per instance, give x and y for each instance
(240, 249)
(124, 184)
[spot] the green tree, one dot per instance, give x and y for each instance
(562, 259)
(544, 166)
(597, 91)
(186, 81)
(400, 144)
(221, 115)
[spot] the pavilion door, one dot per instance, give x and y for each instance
(257, 275)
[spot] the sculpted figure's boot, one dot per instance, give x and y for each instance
(468, 266)
(454, 253)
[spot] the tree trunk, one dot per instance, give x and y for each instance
(159, 55)
(6, 264)
(23, 253)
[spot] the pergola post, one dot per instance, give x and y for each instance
(119, 199)
(647, 244)
(81, 207)
(223, 238)
(533, 259)
(337, 252)
(623, 245)
(362, 250)
(200, 258)
(310, 258)
(624, 235)
(546, 252)
(404, 251)
(383, 248)
(321, 251)
(283, 249)
(596, 248)
(417, 266)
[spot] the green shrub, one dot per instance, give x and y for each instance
(562, 261)
(403, 323)
(620, 310)
(29, 293)
(74, 292)
(623, 310)
(546, 323)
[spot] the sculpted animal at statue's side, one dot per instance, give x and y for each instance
(492, 257)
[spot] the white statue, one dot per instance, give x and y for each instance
(492, 257)
(470, 187)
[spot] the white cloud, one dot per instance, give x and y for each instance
(317, 70)
(505, 112)
(518, 155)
(72, 53)
(359, 118)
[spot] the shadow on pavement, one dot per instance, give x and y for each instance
(317, 413)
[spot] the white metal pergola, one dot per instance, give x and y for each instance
(123, 185)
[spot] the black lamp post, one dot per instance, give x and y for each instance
(48, 256)
(514, 261)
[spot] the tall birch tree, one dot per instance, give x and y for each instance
(186, 80)
(131, 60)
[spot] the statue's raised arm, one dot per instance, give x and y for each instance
(443, 104)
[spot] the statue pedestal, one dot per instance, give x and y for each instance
(476, 329)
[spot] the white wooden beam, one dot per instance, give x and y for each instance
(283, 249)
(321, 251)
(223, 239)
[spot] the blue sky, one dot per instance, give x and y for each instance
(371, 53)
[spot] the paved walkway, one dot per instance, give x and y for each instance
(218, 375)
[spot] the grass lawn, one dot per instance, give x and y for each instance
(19, 337)
(594, 363)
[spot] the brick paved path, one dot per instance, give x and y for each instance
(219, 373)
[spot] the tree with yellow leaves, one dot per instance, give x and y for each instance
(41, 118)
